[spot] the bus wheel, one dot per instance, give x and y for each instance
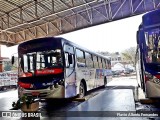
(4, 88)
(82, 90)
(105, 82)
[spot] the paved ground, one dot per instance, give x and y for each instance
(129, 82)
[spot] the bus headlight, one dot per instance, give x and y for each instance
(21, 89)
(51, 87)
(56, 85)
(156, 80)
(61, 82)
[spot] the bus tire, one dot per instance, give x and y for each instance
(3, 88)
(82, 90)
(105, 82)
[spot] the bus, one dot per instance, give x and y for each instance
(148, 42)
(53, 67)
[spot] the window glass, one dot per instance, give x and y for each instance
(69, 52)
(68, 48)
(103, 63)
(40, 61)
(47, 59)
(100, 62)
(119, 58)
(80, 58)
(72, 65)
(89, 61)
(67, 60)
(31, 62)
(25, 63)
(152, 49)
(109, 64)
(95, 62)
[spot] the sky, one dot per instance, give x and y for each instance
(115, 36)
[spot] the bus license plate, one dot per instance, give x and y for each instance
(35, 93)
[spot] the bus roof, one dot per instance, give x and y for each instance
(48, 41)
(151, 18)
(44, 39)
(84, 49)
(40, 44)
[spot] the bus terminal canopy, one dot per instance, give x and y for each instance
(22, 20)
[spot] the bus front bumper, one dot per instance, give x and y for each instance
(43, 93)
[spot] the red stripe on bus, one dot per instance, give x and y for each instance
(49, 71)
(24, 85)
(27, 74)
(157, 76)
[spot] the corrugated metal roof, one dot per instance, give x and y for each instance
(22, 20)
(6, 7)
(19, 2)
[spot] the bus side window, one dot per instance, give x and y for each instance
(103, 63)
(107, 65)
(69, 54)
(100, 62)
(89, 60)
(80, 58)
(66, 59)
(95, 60)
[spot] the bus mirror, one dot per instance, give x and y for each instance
(12, 60)
(70, 58)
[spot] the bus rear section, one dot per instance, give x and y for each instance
(148, 39)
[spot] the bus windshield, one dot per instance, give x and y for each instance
(30, 62)
(152, 39)
(48, 59)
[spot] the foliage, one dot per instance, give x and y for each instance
(7, 66)
(24, 99)
(15, 65)
(129, 55)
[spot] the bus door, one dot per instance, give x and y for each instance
(90, 71)
(96, 66)
(70, 79)
(80, 67)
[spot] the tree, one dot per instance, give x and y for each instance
(15, 65)
(7, 66)
(129, 55)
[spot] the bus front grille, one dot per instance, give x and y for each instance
(44, 94)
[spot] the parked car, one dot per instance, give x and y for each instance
(116, 73)
(128, 71)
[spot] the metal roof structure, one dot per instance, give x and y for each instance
(22, 20)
